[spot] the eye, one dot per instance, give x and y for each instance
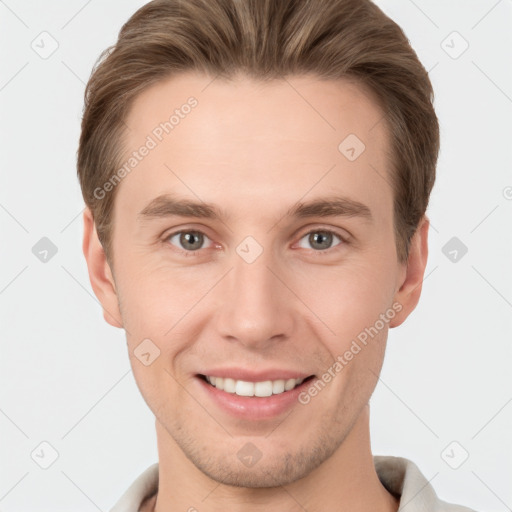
(188, 240)
(319, 240)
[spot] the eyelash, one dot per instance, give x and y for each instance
(197, 252)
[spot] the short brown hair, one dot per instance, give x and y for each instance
(265, 39)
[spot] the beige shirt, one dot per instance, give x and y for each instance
(399, 476)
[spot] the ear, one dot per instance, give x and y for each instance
(100, 274)
(411, 276)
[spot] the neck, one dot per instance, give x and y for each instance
(347, 481)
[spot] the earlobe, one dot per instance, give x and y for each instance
(411, 280)
(100, 274)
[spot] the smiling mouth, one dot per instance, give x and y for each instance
(254, 389)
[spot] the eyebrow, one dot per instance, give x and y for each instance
(333, 206)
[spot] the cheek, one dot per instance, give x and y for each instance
(157, 306)
(155, 299)
(348, 298)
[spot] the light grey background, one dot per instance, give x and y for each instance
(65, 374)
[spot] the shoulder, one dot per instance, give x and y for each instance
(403, 478)
(148, 505)
(140, 492)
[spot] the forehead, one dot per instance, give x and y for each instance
(241, 140)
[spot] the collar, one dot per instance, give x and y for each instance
(398, 475)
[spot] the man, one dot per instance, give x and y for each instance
(256, 175)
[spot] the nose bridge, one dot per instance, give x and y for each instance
(255, 307)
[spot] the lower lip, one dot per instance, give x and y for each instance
(253, 408)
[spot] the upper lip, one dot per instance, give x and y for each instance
(255, 376)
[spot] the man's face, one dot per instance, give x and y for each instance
(257, 288)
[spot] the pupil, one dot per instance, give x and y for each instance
(321, 238)
(188, 239)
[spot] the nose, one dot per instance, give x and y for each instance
(256, 308)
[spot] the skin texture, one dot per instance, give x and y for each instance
(254, 150)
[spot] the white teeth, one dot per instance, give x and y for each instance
(277, 387)
(289, 384)
(261, 389)
(229, 385)
(244, 388)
